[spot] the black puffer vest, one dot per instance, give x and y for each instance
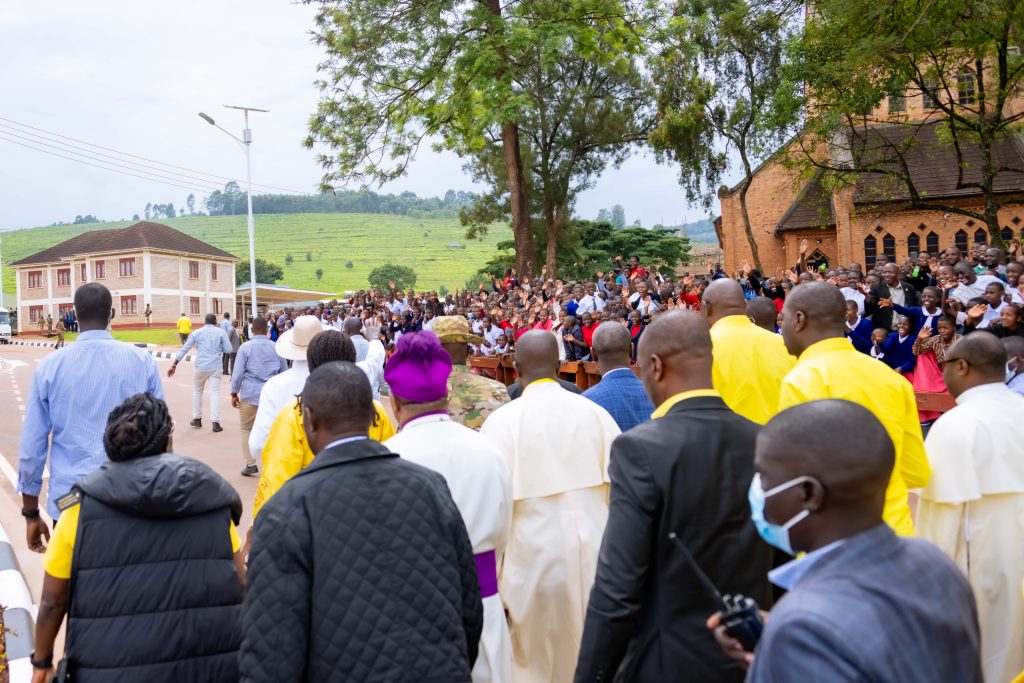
(154, 592)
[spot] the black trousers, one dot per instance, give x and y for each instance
(228, 360)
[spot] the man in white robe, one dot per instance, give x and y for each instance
(557, 445)
(973, 506)
(474, 470)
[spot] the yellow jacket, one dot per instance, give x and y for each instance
(286, 452)
(832, 368)
(750, 364)
(184, 325)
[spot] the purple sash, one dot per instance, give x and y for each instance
(487, 573)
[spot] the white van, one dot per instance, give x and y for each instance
(5, 326)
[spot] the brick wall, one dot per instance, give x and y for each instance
(225, 281)
(166, 308)
(165, 272)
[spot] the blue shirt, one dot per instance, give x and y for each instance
(622, 394)
(362, 346)
(788, 575)
(257, 361)
(210, 342)
(73, 392)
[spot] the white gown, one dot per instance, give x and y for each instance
(557, 446)
(973, 510)
(481, 488)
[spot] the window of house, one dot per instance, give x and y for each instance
(99, 269)
(129, 305)
(217, 306)
(870, 251)
(930, 97)
(913, 244)
(932, 242)
(889, 247)
(965, 87)
(64, 309)
(35, 314)
(64, 277)
(213, 272)
(126, 267)
(193, 305)
(84, 274)
(1006, 234)
(35, 279)
(193, 270)
(897, 103)
(981, 236)
(960, 240)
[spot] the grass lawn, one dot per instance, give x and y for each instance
(161, 337)
(345, 246)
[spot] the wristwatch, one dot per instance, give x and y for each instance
(30, 514)
(40, 663)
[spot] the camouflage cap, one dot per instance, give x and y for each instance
(454, 328)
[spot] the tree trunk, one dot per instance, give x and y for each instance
(522, 227)
(995, 233)
(554, 228)
(754, 253)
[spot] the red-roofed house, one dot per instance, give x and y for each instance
(144, 263)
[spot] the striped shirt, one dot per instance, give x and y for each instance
(73, 392)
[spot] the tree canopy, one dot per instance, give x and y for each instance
(388, 275)
(267, 273)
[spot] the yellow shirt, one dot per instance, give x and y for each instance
(671, 401)
(750, 363)
(184, 325)
(57, 561)
(286, 452)
(832, 368)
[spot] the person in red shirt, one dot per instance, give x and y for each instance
(589, 325)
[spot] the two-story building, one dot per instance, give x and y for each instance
(144, 263)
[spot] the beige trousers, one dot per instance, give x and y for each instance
(246, 418)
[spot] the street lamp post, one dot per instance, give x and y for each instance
(244, 143)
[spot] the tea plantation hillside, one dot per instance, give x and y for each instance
(346, 246)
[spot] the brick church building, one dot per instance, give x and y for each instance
(858, 223)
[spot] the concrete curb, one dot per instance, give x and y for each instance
(18, 613)
(155, 354)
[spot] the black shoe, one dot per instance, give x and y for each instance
(196, 423)
(217, 427)
(250, 471)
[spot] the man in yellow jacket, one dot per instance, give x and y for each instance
(184, 327)
(749, 362)
(286, 452)
(828, 366)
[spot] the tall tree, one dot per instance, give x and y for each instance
(618, 217)
(723, 90)
(190, 202)
(399, 72)
(957, 64)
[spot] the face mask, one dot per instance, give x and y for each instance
(773, 534)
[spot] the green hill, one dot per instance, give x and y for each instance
(333, 240)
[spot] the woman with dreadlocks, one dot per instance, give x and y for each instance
(144, 562)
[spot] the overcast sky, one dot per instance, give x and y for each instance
(131, 76)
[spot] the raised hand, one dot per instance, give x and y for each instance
(925, 332)
(885, 303)
(977, 312)
(804, 246)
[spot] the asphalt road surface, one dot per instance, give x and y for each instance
(222, 451)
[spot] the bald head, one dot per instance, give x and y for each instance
(763, 312)
(979, 358)
(611, 345)
(352, 326)
(846, 479)
(723, 298)
(674, 354)
(813, 312)
(536, 356)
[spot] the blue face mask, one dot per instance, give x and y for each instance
(773, 534)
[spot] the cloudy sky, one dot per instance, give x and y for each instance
(131, 76)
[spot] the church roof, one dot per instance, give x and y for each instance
(812, 208)
(141, 235)
(932, 163)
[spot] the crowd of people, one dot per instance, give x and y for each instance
(416, 520)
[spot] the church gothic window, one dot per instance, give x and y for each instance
(870, 251)
(913, 244)
(960, 239)
(981, 236)
(889, 247)
(932, 243)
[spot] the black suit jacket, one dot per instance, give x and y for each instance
(689, 473)
(882, 317)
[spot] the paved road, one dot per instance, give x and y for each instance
(221, 451)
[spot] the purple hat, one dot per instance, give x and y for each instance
(418, 370)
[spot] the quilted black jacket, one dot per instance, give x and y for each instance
(361, 570)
